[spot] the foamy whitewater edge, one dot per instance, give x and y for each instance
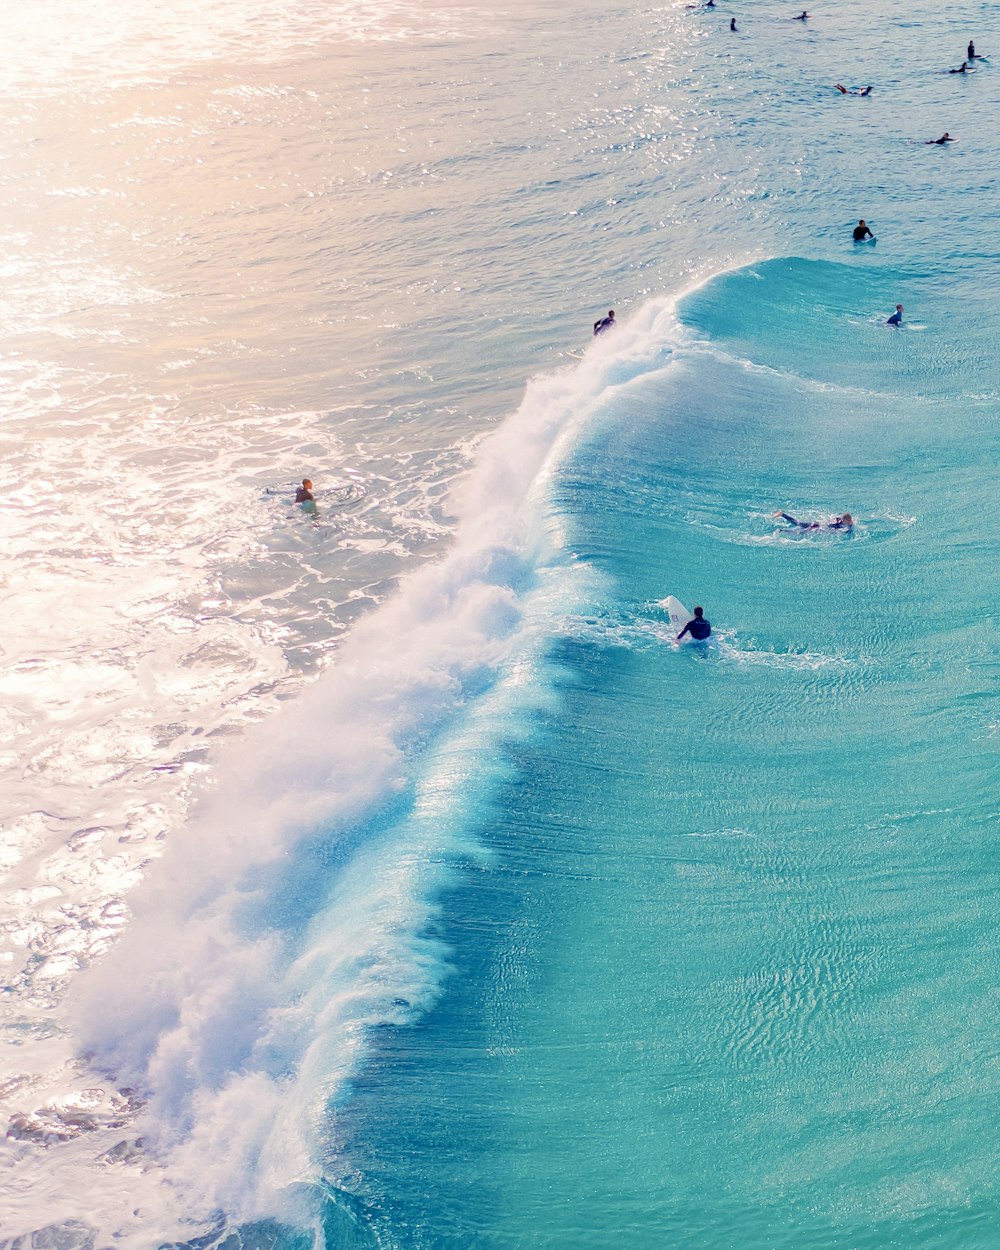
(235, 1019)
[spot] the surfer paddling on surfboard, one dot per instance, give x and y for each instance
(843, 522)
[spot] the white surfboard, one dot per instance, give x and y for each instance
(678, 613)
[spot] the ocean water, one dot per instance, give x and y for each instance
(382, 874)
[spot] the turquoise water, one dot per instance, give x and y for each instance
(385, 875)
(738, 984)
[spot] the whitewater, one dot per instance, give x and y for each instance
(381, 874)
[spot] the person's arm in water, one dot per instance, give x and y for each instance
(684, 631)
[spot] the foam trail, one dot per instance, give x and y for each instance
(291, 914)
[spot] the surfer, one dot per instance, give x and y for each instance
(844, 90)
(971, 51)
(896, 318)
(605, 323)
(697, 627)
(945, 138)
(732, 23)
(304, 493)
(861, 232)
(962, 69)
(801, 17)
(843, 522)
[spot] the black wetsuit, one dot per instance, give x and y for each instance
(836, 524)
(303, 496)
(604, 324)
(862, 232)
(698, 628)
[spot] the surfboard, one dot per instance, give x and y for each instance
(678, 613)
(575, 355)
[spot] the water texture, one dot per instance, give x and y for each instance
(382, 874)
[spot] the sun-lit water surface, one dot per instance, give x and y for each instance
(246, 242)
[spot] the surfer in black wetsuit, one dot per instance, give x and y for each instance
(698, 627)
(843, 522)
(801, 17)
(304, 493)
(962, 69)
(605, 323)
(945, 138)
(861, 232)
(897, 317)
(732, 23)
(971, 52)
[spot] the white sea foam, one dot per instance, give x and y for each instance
(290, 915)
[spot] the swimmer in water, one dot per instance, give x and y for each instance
(896, 318)
(605, 323)
(844, 90)
(843, 522)
(304, 493)
(945, 138)
(697, 627)
(861, 232)
(732, 23)
(962, 69)
(801, 17)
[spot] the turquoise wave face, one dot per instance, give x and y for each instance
(730, 979)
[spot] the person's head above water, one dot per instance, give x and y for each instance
(845, 518)
(699, 612)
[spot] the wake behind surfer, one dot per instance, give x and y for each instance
(697, 627)
(605, 323)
